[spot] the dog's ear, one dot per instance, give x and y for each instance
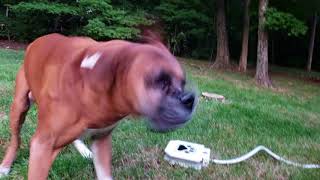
(153, 35)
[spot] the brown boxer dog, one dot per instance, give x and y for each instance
(83, 87)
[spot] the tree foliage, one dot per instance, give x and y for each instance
(186, 22)
(277, 20)
(107, 22)
(44, 7)
(96, 18)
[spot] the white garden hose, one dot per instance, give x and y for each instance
(262, 148)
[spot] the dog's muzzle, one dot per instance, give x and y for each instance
(174, 112)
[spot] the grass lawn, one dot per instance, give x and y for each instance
(286, 119)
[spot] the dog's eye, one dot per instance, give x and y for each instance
(183, 82)
(163, 81)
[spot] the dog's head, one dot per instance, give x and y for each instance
(160, 88)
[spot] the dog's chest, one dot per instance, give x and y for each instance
(96, 133)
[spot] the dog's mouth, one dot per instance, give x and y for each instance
(159, 125)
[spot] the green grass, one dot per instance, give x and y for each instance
(285, 119)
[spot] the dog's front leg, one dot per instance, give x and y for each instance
(42, 154)
(102, 156)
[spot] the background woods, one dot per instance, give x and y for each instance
(226, 47)
(245, 33)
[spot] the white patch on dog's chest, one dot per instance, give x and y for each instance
(90, 61)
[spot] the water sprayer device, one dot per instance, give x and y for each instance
(187, 154)
(197, 156)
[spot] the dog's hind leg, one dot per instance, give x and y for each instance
(82, 148)
(102, 155)
(18, 111)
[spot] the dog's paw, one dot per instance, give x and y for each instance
(4, 171)
(83, 149)
(86, 153)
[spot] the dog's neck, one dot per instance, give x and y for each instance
(101, 91)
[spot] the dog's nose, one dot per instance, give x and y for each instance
(187, 99)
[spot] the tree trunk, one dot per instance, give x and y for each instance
(7, 11)
(311, 45)
(222, 56)
(262, 76)
(245, 38)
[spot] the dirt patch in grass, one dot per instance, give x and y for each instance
(147, 155)
(301, 77)
(311, 119)
(3, 142)
(3, 89)
(2, 115)
(314, 80)
(262, 169)
(281, 90)
(149, 158)
(12, 45)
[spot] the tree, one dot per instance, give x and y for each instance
(303, 12)
(222, 57)
(270, 19)
(187, 25)
(101, 20)
(262, 75)
(245, 37)
(311, 45)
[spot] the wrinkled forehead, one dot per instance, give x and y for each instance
(178, 72)
(159, 60)
(171, 64)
